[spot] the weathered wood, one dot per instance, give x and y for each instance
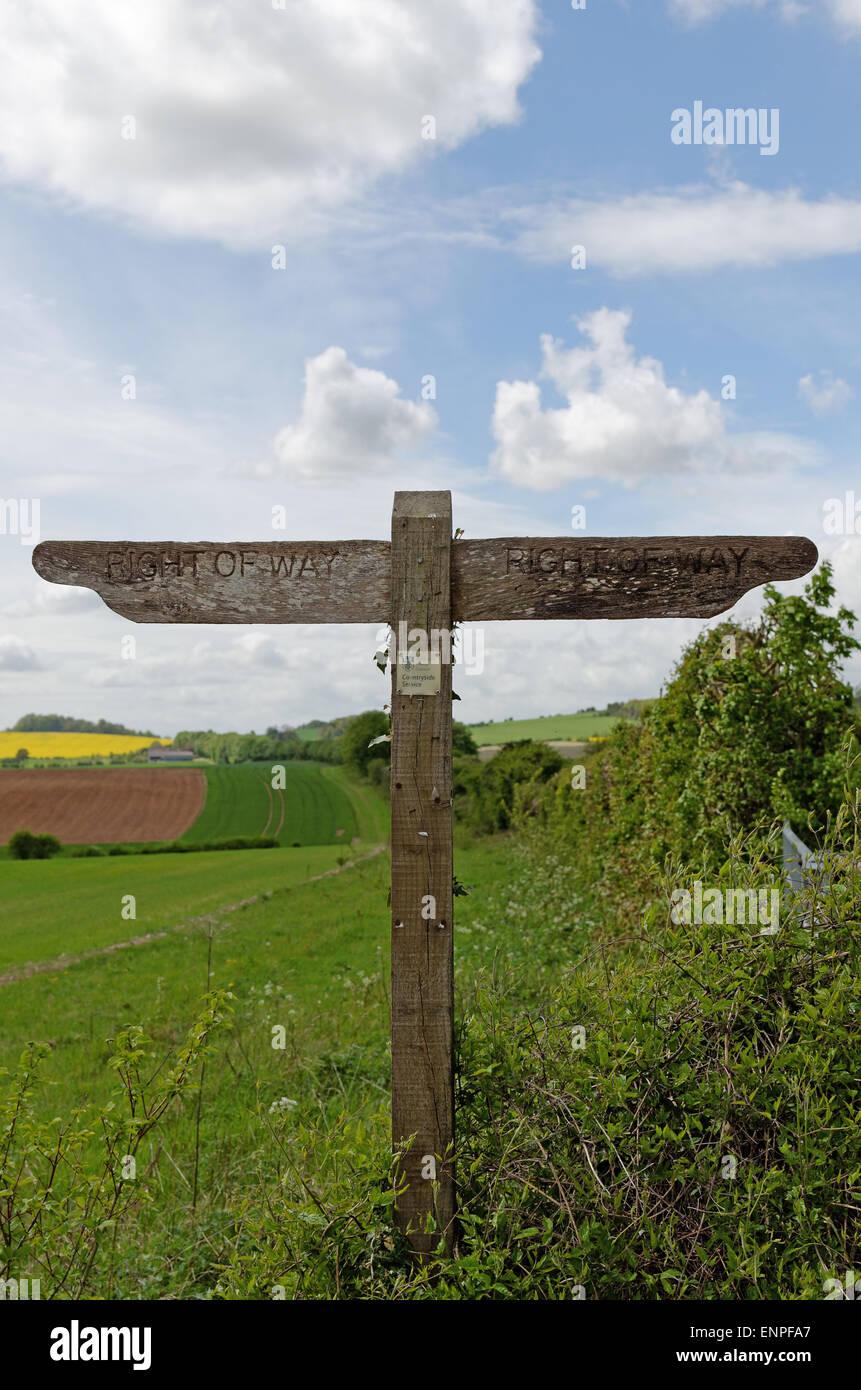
(423, 582)
(628, 577)
(422, 925)
(350, 581)
(228, 582)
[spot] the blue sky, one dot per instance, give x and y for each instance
(258, 126)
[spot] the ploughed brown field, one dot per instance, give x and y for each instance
(97, 806)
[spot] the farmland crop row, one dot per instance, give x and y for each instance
(58, 745)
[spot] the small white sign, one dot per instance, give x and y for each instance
(419, 677)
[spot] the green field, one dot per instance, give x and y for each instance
(311, 956)
(270, 1169)
(569, 727)
(319, 805)
(315, 951)
(58, 906)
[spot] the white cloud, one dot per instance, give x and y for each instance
(621, 421)
(67, 432)
(698, 11)
(825, 393)
(694, 229)
(375, 353)
(846, 13)
(225, 660)
(581, 663)
(353, 422)
(53, 599)
(258, 649)
(845, 556)
(16, 655)
(249, 121)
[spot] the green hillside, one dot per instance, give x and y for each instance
(322, 729)
(320, 804)
(571, 727)
(73, 905)
(293, 948)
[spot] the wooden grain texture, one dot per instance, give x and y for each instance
(350, 581)
(422, 946)
(228, 582)
(627, 577)
(426, 582)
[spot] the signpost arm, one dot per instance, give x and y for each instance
(422, 864)
(419, 581)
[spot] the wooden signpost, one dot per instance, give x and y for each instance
(422, 583)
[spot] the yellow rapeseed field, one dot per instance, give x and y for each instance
(71, 745)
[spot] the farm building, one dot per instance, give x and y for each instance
(157, 753)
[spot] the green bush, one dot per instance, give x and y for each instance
(181, 847)
(493, 795)
(733, 741)
(462, 742)
(25, 845)
(698, 1139)
(358, 746)
(671, 1114)
(378, 772)
(64, 1193)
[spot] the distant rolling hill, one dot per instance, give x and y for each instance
(563, 728)
(569, 728)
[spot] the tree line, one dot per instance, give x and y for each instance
(279, 746)
(65, 724)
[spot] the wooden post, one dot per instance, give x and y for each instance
(422, 867)
(415, 584)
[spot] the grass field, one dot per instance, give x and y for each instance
(309, 956)
(312, 956)
(72, 905)
(269, 1171)
(293, 921)
(568, 727)
(320, 804)
(72, 745)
